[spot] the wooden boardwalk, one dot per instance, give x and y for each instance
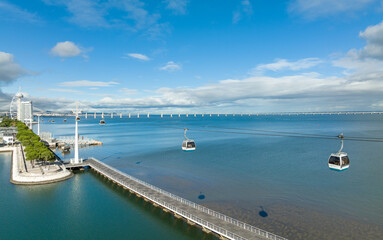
(208, 219)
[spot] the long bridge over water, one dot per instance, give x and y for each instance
(194, 214)
(171, 115)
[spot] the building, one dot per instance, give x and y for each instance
(27, 111)
(7, 135)
(24, 109)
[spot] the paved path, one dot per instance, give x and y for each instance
(220, 224)
(23, 173)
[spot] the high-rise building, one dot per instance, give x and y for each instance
(24, 109)
(27, 111)
(19, 96)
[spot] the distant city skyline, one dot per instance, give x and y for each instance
(193, 56)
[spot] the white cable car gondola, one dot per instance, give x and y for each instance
(188, 144)
(102, 122)
(77, 118)
(339, 161)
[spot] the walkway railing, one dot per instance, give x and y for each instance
(187, 215)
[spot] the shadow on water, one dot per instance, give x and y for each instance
(263, 213)
(165, 218)
(201, 196)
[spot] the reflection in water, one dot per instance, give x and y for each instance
(75, 194)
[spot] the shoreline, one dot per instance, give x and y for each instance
(25, 178)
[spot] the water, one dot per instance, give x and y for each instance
(280, 184)
(83, 207)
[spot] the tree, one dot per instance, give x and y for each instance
(34, 148)
(31, 156)
(47, 155)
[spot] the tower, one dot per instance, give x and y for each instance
(76, 160)
(20, 111)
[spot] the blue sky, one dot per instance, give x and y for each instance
(189, 55)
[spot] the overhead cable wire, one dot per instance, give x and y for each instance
(272, 134)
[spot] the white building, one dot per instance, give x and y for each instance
(24, 109)
(27, 111)
(8, 138)
(19, 96)
(7, 135)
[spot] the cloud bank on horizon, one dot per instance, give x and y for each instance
(352, 80)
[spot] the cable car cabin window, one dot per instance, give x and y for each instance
(191, 145)
(334, 160)
(184, 144)
(345, 160)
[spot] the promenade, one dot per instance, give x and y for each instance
(23, 173)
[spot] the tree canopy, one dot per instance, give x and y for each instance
(34, 148)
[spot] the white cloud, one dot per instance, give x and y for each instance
(128, 91)
(357, 86)
(85, 13)
(64, 90)
(171, 67)
(96, 13)
(86, 83)
(368, 61)
(138, 56)
(9, 69)
(245, 9)
(10, 11)
(283, 64)
(66, 49)
(316, 8)
(374, 38)
(290, 93)
(177, 6)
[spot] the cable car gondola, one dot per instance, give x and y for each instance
(77, 118)
(188, 144)
(339, 161)
(102, 122)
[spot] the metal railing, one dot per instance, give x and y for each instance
(221, 216)
(22, 154)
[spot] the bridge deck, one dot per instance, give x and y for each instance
(207, 218)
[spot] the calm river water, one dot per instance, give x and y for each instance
(281, 184)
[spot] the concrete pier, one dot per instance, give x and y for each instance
(23, 173)
(206, 218)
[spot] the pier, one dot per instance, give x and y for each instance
(209, 220)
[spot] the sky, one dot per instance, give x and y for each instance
(218, 56)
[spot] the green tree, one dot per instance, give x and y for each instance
(32, 156)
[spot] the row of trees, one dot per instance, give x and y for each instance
(34, 148)
(7, 122)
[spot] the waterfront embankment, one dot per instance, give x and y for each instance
(24, 173)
